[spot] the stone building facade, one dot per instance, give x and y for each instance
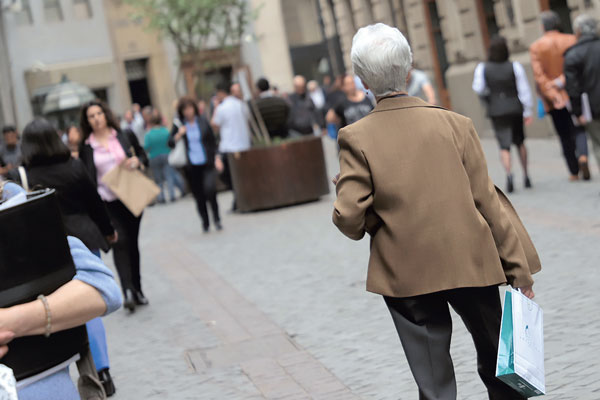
(448, 37)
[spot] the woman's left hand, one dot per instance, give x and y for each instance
(219, 164)
(5, 338)
(132, 162)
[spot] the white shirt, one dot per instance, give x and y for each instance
(232, 118)
(523, 90)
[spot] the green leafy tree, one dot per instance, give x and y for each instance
(195, 26)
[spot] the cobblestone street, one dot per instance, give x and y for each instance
(275, 306)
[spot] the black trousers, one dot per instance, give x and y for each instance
(425, 329)
(570, 138)
(126, 252)
(227, 180)
(202, 180)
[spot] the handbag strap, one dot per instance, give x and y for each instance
(88, 384)
(23, 177)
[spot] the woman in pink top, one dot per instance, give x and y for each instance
(104, 147)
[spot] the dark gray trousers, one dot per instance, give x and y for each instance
(425, 329)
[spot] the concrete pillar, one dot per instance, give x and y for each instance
(273, 45)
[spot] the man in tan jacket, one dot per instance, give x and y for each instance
(414, 177)
(547, 59)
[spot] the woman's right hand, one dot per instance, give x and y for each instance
(182, 131)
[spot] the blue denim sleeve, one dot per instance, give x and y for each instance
(91, 270)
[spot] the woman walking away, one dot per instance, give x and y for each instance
(156, 143)
(104, 147)
(49, 165)
(201, 148)
(503, 85)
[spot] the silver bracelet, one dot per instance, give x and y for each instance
(48, 314)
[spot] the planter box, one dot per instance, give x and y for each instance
(286, 174)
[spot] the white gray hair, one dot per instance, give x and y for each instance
(586, 25)
(382, 59)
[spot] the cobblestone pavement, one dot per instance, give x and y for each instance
(275, 305)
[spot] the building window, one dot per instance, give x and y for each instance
(510, 12)
(52, 11)
(23, 17)
(82, 9)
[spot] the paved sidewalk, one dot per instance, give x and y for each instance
(275, 306)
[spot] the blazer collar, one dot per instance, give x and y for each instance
(397, 103)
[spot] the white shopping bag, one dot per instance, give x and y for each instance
(8, 384)
(521, 348)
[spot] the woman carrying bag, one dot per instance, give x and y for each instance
(49, 164)
(201, 165)
(104, 148)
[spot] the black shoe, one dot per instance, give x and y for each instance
(509, 184)
(107, 382)
(129, 300)
(219, 226)
(205, 229)
(140, 299)
(528, 184)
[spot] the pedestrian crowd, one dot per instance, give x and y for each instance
(437, 256)
(567, 81)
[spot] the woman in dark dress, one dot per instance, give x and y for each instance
(49, 164)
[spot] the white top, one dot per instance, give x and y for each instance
(232, 118)
(523, 90)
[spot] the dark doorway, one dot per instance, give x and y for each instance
(137, 77)
(438, 49)
(561, 7)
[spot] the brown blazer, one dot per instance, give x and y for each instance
(414, 176)
(547, 59)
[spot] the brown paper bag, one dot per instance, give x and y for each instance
(132, 187)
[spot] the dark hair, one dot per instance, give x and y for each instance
(41, 145)
(262, 84)
(224, 87)
(550, 21)
(498, 51)
(185, 102)
(156, 120)
(84, 124)
(9, 128)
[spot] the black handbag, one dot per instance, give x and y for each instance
(35, 259)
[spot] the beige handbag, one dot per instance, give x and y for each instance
(132, 187)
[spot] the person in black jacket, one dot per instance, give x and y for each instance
(103, 148)
(202, 163)
(582, 75)
(48, 164)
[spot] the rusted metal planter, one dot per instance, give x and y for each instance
(281, 175)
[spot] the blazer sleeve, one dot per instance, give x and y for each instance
(354, 188)
(171, 142)
(139, 150)
(573, 84)
(95, 206)
(540, 77)
(211, 140)
(510, 250)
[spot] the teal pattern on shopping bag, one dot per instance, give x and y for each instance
(505, 366)
(506, 361)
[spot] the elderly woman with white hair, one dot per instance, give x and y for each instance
(414, 177)
(582, 75)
